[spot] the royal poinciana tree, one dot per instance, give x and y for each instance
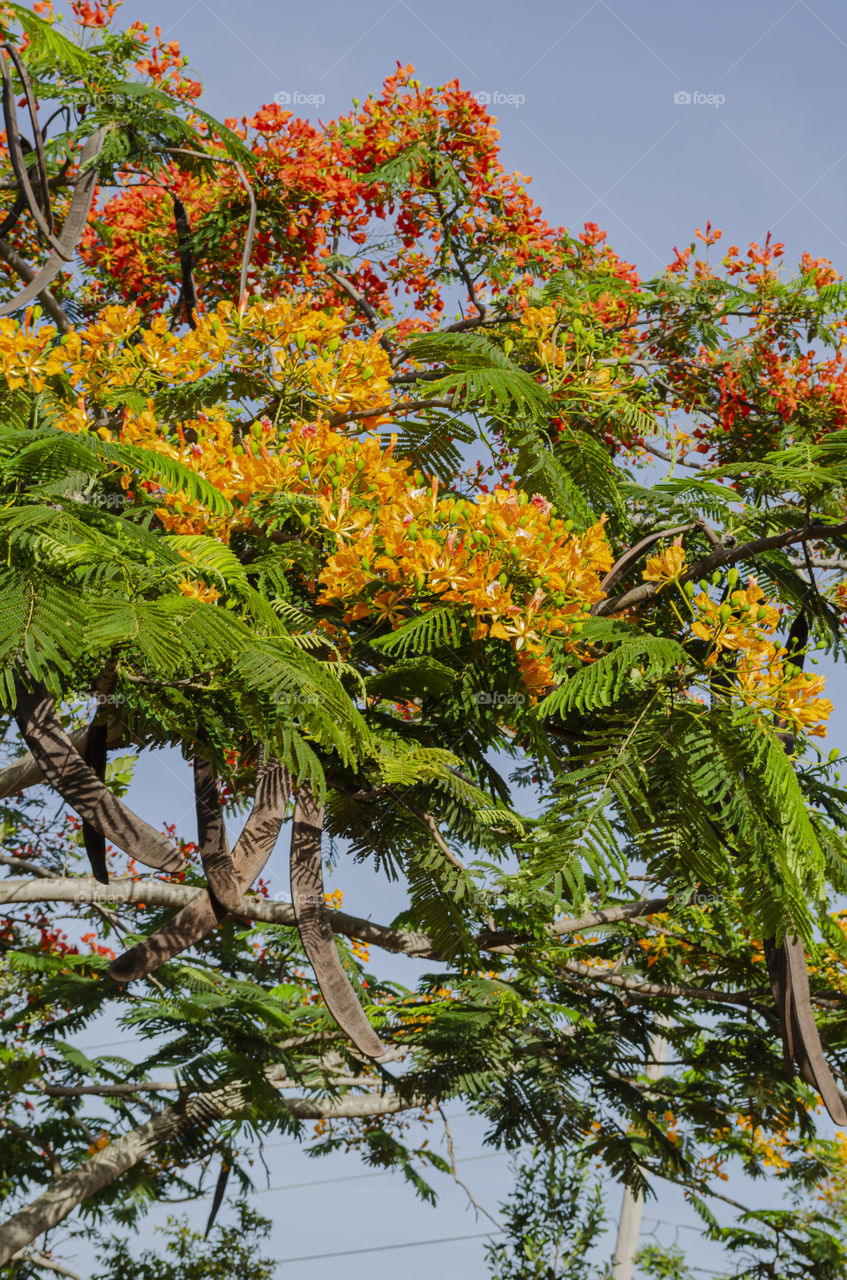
(327, 462)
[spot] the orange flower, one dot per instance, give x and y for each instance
(667, 565)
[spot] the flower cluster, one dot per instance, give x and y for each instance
(285, 347)
(392, 542)
(764, 677)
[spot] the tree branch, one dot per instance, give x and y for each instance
(654, 989)
(27, 273)
(403, 407)
(723, 555)
(629, 557)
(85, 890)
(667, 457)
(26, 772)
(200, 1110)
(360, 301)
(41, 1260)
(80, 787)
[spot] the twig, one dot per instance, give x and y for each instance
(201, 155)
(163, 893)
(405, 406)
(25, 864)
(666, 457)
(451, 1152)
(27, 273)
(629, 557)
(41, 1260)
(800, 562)
(428, 821)
(723, 555)
(367, 310)
(655, 989)
(251, 230)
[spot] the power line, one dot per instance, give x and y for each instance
(353, 1177)
(678, 1226)
(382, 1248)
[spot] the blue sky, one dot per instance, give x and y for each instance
(647, 118)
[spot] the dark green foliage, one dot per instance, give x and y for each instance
(554, 1220)
(232, 1249)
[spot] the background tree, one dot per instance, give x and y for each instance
(553, 1220)
(225, 1251)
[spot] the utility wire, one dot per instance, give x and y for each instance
(382, 1248)
(353, 1177)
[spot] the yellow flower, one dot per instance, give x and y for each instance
(666, 566)
(197, 591)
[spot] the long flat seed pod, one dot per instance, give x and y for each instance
(94, 756)
(252, 850)
(43, 217)
(220, 1191)
(212, 838)
(307, 896)
(13, 216)
(789, 976)
(80, 787)
(808, 1050)
(43, 195)
(186, 261)
(780, 979)
(71, 231)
